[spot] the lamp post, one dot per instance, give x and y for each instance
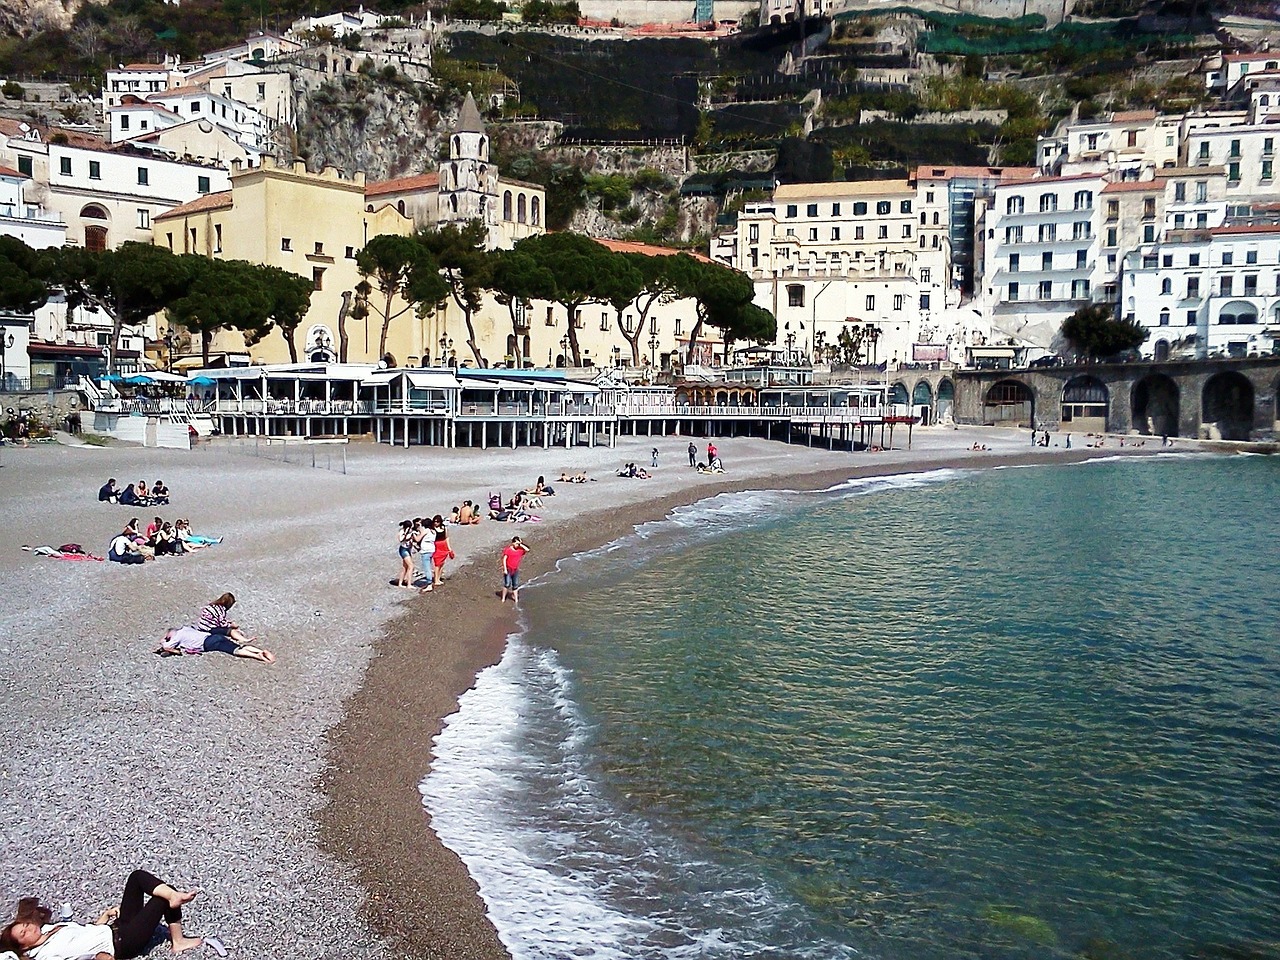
(653, 348)
(564, 349)
(617, 353)
(446, 344)
(170, 341)
(6, 341)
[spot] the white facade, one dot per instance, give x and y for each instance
(1245, 150)
(1133, 141)
(340, 23)
(245, 125)
(27, 221)
(1210, 294)
(140, 80)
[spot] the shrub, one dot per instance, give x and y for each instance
(13, 90)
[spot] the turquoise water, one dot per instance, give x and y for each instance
(1014, 713)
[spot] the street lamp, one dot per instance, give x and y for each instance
(564, 349)
(446, 344)
(653, 346)
(617, 353)
(170, 341)
(5, 343)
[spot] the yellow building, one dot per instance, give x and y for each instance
(312, 225)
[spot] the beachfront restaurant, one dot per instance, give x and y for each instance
(285, 400)
(510, 408)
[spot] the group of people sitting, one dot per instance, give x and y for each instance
(712, 466)
(633, 472)
(517, 509)
(465, 515)
(161, 538)
(134, 494)
(214, 632)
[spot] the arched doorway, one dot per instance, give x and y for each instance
(922, 402)
(96, 222)
(946, 399)
(1085, 403)
(898, 395)
(1162, 351)
(1154, 406)
(1226, 406)
(1009, 403)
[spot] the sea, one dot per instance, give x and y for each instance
(999, 713)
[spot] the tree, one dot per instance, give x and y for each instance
(1095, 332)
(721, 294)
(222, 295)
(749, 321)
(467, 270)
(128, 284)
(21, 286)
(620, 285)
(398, 267)
(658, 286)
(518, 278)
(576, 262)
(290, 297)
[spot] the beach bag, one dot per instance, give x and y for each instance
(71, 548)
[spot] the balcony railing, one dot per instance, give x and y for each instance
(291, 408)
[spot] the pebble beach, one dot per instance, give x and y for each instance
(288, 793)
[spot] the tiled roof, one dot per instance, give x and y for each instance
(840, 188)
(1132, 116)
(648, 249)
(1247, 228)
(9, 172)
(1135, 186)
(421, 181)
(948, 173)
(210, 201)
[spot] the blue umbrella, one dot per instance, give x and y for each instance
(202, 381)
(138, 379)
(112, 377)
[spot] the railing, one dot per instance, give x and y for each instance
(144, 406)
(841, 414)
(291, 408)
(11, 384)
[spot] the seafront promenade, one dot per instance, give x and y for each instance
(288, 793)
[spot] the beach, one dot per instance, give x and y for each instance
(289, 793)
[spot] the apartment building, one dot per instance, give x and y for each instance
(138, 80)
(24, 219)
(1207, 293)
(1242, 144)
(1040, 249)
(251, 129)
(1129, 141)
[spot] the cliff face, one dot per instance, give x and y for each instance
(22, 18)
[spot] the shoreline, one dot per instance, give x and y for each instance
(420, 899)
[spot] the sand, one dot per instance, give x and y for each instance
(289, 793)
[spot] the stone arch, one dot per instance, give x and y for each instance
(1226, 406)
(898, 393)
(1086, 402)
(1154, 404)
(1009, 402)
(1237, 313)
(506, 205)
(922, 396)
(946, 398)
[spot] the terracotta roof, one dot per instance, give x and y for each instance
(1247, 228)
(210, 201)
(9, 172)
(841, 188)
(947, 173)
(648, 249)
(1132, 116)
(73, 138)
(421, 181)
(1136, 186)
(148, 67)
(1066, 179)
(1239, 57)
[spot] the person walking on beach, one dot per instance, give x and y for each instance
(711, 452)
(511, 557)
(653, 457)
(693, 454)
(441, 553)
(119, 933)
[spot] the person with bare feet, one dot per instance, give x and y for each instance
(442, 552)
(511, 557)
(119, 933)
(182, 640)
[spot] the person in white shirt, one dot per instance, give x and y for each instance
(120, 933)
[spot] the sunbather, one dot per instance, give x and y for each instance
(191, 640)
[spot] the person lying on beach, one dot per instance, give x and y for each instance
(193, 541)
(108, 493)
(119, 933)
(189, 640)
(159, 493)
(577, 478)
(540, 489)
(713, 467)
(216, 618)
(512, 516)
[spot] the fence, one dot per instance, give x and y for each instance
(299, 453)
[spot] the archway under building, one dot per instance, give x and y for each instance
(1154, 406)
(898, 395)
(1009, 403)
(946, 399)
(1085, 405)
(922, 402)
(1226, 406)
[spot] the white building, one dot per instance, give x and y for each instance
(1127, 141)
(251, 129)
(1040, 241)
(1208, 293)
(1242, 144)
(340, 23)
(27, 221)
(140, 80)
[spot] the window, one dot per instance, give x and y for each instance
(1233, 172)
(1111, 236)
(1166, 287)
(1164, 317)
(1046, 261)
(813, 233)
(1013, 291)
(859, 209)
(1191, 318)
(262, 91)
(904, 206)
(1013, 234)
(906, 230)
(1251, 256)
(1225, 286)
(1202, 221)
(1046, 290)
(753, 233)
(1082, 259)
(1148, 208)
(871, 303)
(1266, 170)
(1084, 199)
(835, 209)
(928, 197)
(811, 210)
(1013, 205)
(882, 232)
(1227, 258)
(286, 244)
(792, 210)
(924, 301)
(143, 177)
(1149, 233)
(1268, 146)
(195, 107)
(1235, 149)
(1080, 230)
(604, 321)
(95, 170)
(1166, 260)
(169, 237)
(317, 278)
(835, 233)
(1204, 151)
(1048, 203)
(1015, 262)
(1180, 191)
(144, 218)
(1179, 221)
(1048, 232)
(1251, 285)
(64, 166)
(858, 233)
(1113, 209)
(194, 239)
(897, 301)
(936, 221)
(1148, 261)
(937, 241)
(1202, 191)
(1193, 259)
(883, 208)
(1079, 289)
(925, 274)
(795, 295)
(1131, 138)
(217, 238)
(124, 122)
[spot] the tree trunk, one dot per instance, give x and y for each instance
(634, 341)
(289, 333)
(516, 354)
(342, 325)
(386, 325)
(693, 340)
(117, 326)
(471, 337)
(206, 340)
(573, 334)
